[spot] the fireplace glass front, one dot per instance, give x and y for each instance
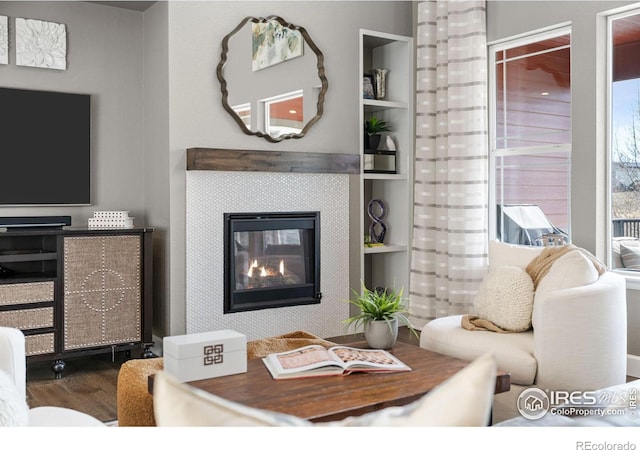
(271, 260)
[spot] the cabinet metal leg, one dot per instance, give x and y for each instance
(58, 367)
(147, 353)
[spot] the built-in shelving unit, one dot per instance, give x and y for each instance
(388, 266)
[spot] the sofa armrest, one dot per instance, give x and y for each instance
(12, 357)
(580, 335)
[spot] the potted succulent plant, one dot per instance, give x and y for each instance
(381, 310)
(372, 129)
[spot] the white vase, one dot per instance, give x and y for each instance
(381, 334)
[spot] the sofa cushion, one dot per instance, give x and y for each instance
(178, 404)
(616, 258)
(13, 406)
(630, 255)
(571, 270)
(503, 254)
(55, 416)
(513, 351)
(505, 298)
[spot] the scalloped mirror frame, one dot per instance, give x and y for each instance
(321, 74)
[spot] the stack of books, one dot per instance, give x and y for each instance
(111, 219)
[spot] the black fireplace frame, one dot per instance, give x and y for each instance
(275, 297)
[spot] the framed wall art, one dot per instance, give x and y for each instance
(4, 40)
(367, 87)
(41, 44)
(273, 43)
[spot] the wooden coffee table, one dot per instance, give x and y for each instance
(322, 399)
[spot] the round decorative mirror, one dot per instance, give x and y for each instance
(272, 78)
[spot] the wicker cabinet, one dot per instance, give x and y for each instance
(75, 292)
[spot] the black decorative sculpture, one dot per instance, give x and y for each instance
(377, 229)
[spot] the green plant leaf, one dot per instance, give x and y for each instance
(379, 305)
(375, 126)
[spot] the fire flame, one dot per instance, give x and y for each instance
(263, 270)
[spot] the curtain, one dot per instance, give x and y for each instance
(450, 239)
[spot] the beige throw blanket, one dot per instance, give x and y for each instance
(537, 269)
(285, 342)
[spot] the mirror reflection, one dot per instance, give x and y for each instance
(272, 78)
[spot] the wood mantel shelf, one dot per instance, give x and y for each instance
(271, 161)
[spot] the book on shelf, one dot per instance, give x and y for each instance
(111, 219)
(317, 361)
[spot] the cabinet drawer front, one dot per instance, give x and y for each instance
(21, 293)
(27, 319)
(39, 344)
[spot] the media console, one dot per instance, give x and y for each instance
(77, 291)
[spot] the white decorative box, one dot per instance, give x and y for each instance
(197, 356)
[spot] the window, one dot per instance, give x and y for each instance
(530, 138)
(284, 114)
(624, 138)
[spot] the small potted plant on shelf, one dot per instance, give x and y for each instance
(372, 129)
(381, 310)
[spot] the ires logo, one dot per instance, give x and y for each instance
(534, 403)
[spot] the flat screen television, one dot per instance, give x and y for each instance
(45, 148)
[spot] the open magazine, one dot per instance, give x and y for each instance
(315, 361)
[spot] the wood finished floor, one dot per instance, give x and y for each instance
(89, 384)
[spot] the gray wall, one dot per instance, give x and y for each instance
(156, 153)
(588, 96)
(152, 77)
(196, 117)
(104, 59)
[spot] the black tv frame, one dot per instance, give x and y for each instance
(45, 148)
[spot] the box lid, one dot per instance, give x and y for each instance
(192, 345)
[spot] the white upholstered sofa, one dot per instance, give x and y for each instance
(13, 406)
(578, 339)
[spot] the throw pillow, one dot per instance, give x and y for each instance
(14, 411)
(178, 404)
(503, 254)
(571, 270)
(616, 259)
(505, 298)
(630, 257)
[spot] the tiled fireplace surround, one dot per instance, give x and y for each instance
(213, 191)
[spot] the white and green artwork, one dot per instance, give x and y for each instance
(274, 43)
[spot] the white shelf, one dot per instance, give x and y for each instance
(385, 249)
(385, 176)
(379, 105)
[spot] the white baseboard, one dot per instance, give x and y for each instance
(633, 366)
(157, 346)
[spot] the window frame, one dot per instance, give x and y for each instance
(632, 277)
(493, 48)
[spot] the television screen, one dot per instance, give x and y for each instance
(45, 148)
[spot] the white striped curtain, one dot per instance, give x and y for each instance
(449, 252)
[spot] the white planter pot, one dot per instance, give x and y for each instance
(379, 334)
